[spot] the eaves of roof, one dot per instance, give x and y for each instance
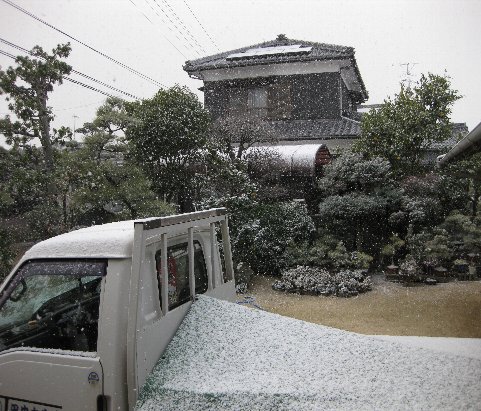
(319, 52)
(316, 129)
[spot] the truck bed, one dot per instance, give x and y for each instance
(228, 357)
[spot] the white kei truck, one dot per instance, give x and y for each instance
(85, 316)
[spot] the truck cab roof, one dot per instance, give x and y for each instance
(112, 240)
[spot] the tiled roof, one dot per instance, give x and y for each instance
(316, 129)
(319, 51)
(459, 131)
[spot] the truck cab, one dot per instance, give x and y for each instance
(85, 316)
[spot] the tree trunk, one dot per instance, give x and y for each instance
(45, 138)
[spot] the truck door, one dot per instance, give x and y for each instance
(49, 314)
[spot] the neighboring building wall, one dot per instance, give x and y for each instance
(296, 97)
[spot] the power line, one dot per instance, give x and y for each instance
(138, 73)
(74, 71)
(150, 21)
(67, 78)
(138, 8)
(106, 85)
(200, 24)
(181, 23)
(7, 54)
(175, 26)
(88, 86)
(166, 23)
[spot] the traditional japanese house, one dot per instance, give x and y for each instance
(307, 91)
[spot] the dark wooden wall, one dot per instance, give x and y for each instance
(310, 96)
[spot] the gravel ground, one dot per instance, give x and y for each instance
(229, 357)
(444, 310)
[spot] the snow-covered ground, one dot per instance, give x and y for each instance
(228, 357)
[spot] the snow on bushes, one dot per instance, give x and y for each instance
(261, 240)
(261, 233)
(312, 280)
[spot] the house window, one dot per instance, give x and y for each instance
(257, 101)
(273, 101)
(178, 267)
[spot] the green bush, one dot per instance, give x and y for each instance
(359, 199)
(309, 280)
(261, 233)
(457, 236)
(390, 250)
(329, 253)
(262, 239)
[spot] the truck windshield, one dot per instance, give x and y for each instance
(52, 304)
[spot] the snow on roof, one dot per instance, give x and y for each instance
(112, 240)
(268, 53)
(106, 240)
(318, 51)
(293, 156)
(271, 50)
(228, 357)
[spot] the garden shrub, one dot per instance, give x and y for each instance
(359, 196)
(242, 274)
(416, 245)
(410, 271)
(261, 233)
(261, 239)
(409, 267)
(390, 250)
(456, 237)
(327, 252)
(438, 250)
(311, 280)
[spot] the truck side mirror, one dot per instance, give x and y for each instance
(18, 291)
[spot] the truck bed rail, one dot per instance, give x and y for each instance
(159, 230)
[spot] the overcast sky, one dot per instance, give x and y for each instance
(156, 37)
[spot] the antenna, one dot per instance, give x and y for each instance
(409, 73)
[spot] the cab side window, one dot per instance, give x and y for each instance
(178, 268)
(52, 304)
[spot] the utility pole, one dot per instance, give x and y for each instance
(74, 118)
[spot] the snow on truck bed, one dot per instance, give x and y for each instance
(228, 357)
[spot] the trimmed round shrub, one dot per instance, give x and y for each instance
(312, 280)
